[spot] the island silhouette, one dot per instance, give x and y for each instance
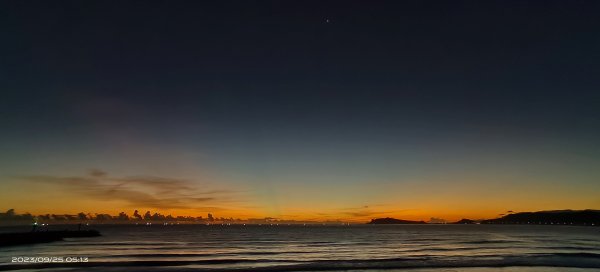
(559, 217)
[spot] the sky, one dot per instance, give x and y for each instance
(301, 110)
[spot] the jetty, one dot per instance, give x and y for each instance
(34, 237)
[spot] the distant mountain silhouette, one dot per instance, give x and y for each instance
(465, 221)
(562, 217)
(389, 220)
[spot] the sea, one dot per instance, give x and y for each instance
(418, 248)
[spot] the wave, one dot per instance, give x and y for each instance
(571, 260)
(179, 255)
(483, 242)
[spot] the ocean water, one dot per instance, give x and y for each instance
(419, 248)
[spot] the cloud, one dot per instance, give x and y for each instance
(97, 173)
(363, 211)
(435, 220)
(137, 191)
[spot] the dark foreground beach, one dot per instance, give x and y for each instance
(420, 248)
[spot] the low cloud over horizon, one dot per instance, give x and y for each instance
(137, 191)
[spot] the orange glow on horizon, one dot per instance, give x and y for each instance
(418, 200)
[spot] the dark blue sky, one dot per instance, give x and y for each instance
(303, 92)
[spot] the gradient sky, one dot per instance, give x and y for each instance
(315, 110)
